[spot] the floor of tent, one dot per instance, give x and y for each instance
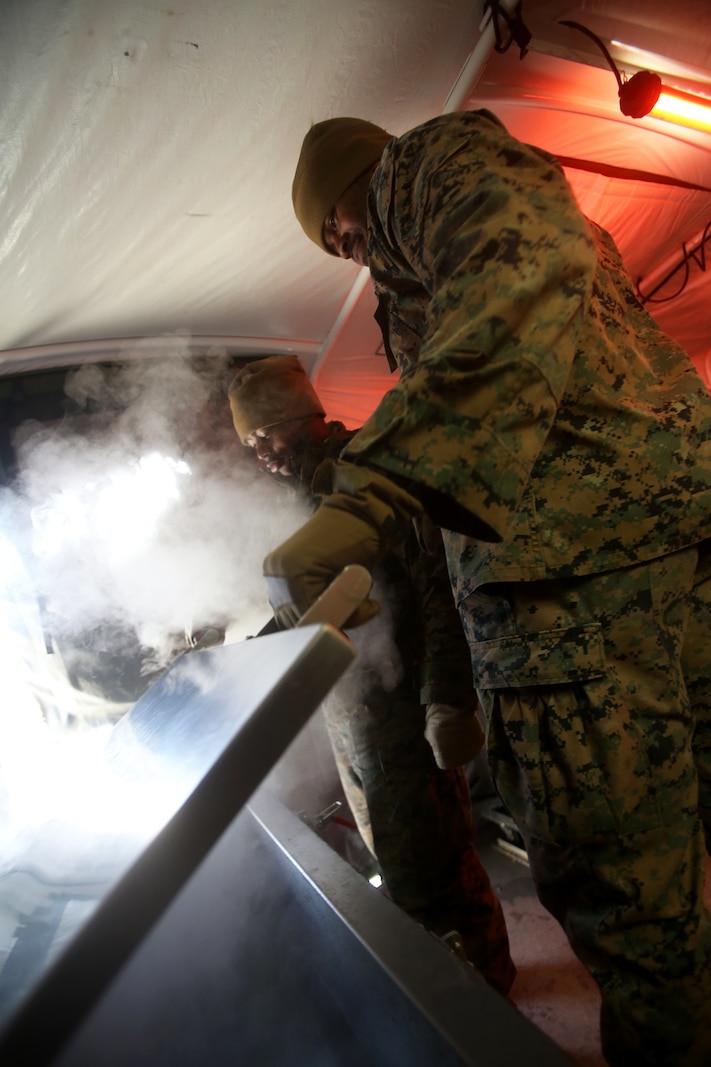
(552, 988)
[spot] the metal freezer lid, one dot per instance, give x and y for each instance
(208, 731)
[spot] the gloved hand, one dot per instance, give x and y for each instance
(356, 523)
(300, 569)
(455, 734)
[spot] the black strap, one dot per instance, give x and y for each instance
(628, 173)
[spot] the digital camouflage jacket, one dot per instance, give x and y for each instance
(540, 410)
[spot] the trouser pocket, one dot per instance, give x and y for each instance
(566, 753)
(569, 763)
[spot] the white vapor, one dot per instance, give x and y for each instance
(142, 516)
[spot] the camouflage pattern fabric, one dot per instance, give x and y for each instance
(587, 429)
(428, 631)
(565, 442)
(415, 818)
(592, 729)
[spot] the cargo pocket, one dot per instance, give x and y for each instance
(569, 761)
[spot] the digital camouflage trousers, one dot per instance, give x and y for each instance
(416, 819)
(598, 695)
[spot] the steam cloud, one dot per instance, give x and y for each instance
(131, 522)
(140, 518)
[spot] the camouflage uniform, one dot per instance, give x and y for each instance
(415, 819)
(544, 419)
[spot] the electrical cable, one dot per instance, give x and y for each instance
(518, 31)
(599, 43)
(638, 95)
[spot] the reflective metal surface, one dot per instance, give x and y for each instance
(277, 953)
(75, 903)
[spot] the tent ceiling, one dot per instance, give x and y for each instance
(149, 149)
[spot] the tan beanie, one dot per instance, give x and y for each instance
(269, 391)
(333, 154)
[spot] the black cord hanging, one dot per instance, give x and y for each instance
(517, 30)
(638, 95)
(689, 255)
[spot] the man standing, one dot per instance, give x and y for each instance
(564, 441)
(402, 721)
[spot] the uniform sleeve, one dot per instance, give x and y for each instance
(445, 661)
(489, 229)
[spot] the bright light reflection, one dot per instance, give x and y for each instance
(682, 109)
(65, 777)
(48, 773)
(121, 509)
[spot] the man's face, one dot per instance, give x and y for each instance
(274, 446)
(345, 228)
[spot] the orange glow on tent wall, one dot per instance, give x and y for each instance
(683, 109)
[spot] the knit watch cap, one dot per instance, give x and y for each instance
(269, 391)
(333, 154)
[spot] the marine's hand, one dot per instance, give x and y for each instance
(298, 571)
(361, 516)
(454, 733)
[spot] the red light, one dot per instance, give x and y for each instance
(683, 109)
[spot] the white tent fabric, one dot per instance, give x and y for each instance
(148, 151)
